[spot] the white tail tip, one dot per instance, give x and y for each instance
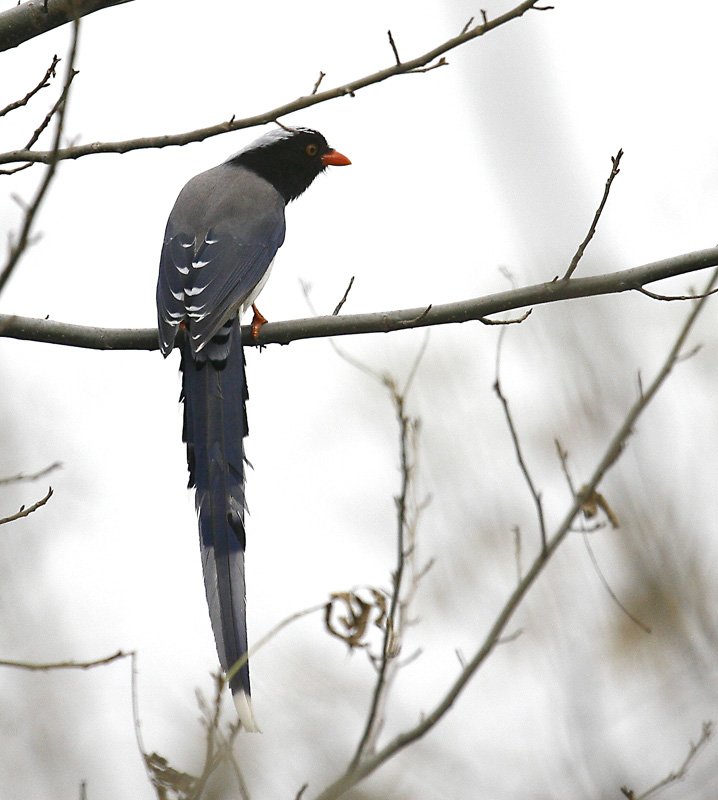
(243, 704)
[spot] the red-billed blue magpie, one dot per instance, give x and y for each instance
(221, 238)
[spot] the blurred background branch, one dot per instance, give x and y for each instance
(363, 767)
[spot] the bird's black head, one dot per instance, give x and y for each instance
(289, 158)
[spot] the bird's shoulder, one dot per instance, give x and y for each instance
(225, 198)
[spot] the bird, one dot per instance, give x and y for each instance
(217, 253)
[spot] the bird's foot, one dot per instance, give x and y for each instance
(257, 321)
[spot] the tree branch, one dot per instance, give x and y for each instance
(51, 332)
(25, 512)
(22, 477)
(401, 595)
(675, 777)
(100, 662)
(493, 637)
(44, 83)
(535, 494)
(28, 20)
(271, 116)
(59, 110)
(615, 161)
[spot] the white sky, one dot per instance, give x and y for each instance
(498, 160)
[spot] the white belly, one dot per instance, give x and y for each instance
(254, 294)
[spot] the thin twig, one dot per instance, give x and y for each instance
(137, 724)
(234, 669)
(25, 512)
(402, 592)
(563, 458)
(52, 665)
(517, 552)
(516, 321)
(321, 77)
(393, 49)
(396, 616)
(645, 628)
(50, 73)
(18, 247)
(212, 716)
(669, 298)
(51, 113)
(536, 495)
(228, 755)
(22, 477)
(615, 161)
(442, 62)
(17, 169)
(344, 298)
(680, 774)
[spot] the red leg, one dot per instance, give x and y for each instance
(257, 321)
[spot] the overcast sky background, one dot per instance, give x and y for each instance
(495, 163)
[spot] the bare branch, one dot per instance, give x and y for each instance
(99, 662)
(43, 83)
(606, 585)
(18, 247)
(536, 495)
(51, 332)
(675, 777)
(25, 512)
(22, 477)
(615, 161)
(234, 669)
(16, 169)
(344, 298)
(51, 113)
(391, 647)
(347, 89)
(27, 20)
(442, 62)
(516, 321)
(321, 77)
(494, 636)
(211, 723)
(393, 48)
(563, 458)
(137, 724)
(670, 298)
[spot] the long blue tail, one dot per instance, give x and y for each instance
(214, 390)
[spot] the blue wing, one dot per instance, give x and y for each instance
(220, 241)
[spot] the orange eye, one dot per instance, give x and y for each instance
(311, 150)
